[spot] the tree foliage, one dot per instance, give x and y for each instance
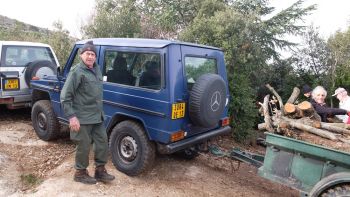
(315, 57)
(339, 44)
(114, 18)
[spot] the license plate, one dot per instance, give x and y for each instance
(178, 110)
(11, 84)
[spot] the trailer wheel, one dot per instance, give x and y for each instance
(337, 184)
(44, 120)
(132, 152)
(339, 190)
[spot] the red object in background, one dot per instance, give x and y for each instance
(348, 122)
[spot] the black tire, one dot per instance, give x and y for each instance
(33, 68)
(207, 100)
(132, 152)
(338, 190)
(337, 183)
(188, 154)
(44, 120)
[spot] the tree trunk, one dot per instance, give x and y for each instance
(293, 111)
(267, 117)
(341, 125)
(334, 128)
(305, 121)
(309, 111)
(293, 97)
(313, 130)
(277, 96)
(305, 105)
(262, 126)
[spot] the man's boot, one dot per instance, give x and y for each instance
(83, 177)
(102, 175)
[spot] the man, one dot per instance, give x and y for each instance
(344, 102)
(81, 99)
(307, 91)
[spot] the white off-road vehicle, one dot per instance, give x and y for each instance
(19, 63)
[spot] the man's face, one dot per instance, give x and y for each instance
(308, 94)
(89, 58)
(342, 95)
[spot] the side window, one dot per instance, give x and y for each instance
(197, 66)
(133, 69)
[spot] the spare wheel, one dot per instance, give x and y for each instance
(207, 100)
(39, 68)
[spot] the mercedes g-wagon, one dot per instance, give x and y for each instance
(159, 96)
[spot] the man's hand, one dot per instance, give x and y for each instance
(74, 124)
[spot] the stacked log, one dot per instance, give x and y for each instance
(300, 120)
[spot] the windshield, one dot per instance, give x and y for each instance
(22, 55)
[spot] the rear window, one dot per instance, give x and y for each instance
(22, 55)
(197, 66)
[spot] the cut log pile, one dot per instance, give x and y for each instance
(301, 121)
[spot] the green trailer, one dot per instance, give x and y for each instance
(312, 169)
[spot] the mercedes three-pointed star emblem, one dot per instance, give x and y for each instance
(215, 101)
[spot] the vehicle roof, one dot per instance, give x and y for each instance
(140, 42)
(21, 43)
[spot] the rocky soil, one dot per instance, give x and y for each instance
(32, 167)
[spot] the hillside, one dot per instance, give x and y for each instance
(8, 23)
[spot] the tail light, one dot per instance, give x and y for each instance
(225, 122)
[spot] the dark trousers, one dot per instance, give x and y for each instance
(90, 134)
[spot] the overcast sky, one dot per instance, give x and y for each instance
(44, 13)
(331, 15)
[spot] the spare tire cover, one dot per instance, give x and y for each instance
(39, 68)
(207, 100)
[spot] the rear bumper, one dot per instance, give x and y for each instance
(186, 143)
(16, 99)
(19, 96)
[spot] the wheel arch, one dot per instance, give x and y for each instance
(119, 117)
(40, 95)
(329, 182)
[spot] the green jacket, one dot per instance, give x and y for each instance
(82, 94)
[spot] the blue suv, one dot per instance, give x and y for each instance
(159, 96)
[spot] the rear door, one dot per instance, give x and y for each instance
(196, 62)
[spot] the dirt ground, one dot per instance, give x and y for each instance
(32, 167)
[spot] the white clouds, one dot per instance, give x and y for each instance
(330, 16)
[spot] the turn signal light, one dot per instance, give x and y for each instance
(225, 122)
(177, 136)
(35, 78)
